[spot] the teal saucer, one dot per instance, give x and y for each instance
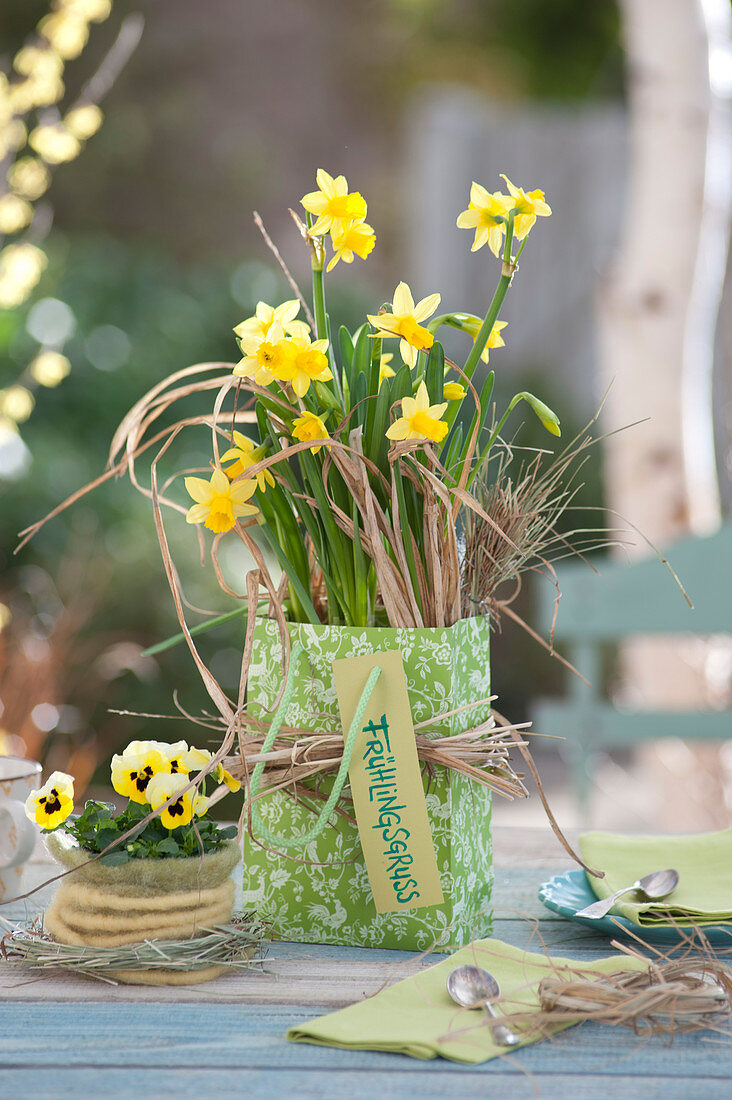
(566, 894)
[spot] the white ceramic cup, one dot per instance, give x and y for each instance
(18, 835)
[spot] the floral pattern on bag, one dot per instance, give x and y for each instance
(322, 895)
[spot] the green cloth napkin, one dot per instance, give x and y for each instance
(417, 1017)
(703, 860)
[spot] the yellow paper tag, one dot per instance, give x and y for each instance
(386, 784)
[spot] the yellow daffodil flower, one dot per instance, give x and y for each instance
(404, 321)
(351, 239)
(132, 771)
(184, 808)
(307, 363)
(256, 329)
(332, 203)
(265, 360)
(219, 503)
(307, 427)
(486, 214)
(385, 371)
(244, 454)
(53, 802)
(419, 419)
(453, 391)
(529, 205)
(472, 326)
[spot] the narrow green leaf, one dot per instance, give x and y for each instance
(176, 639)
(434, 374)
(302, 594)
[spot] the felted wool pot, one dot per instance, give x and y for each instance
(143, 899)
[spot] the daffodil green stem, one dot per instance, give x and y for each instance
(496, 431)
(492, 315)
(321, 325)
(322, 328)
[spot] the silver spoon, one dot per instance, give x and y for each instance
(657, 885)
(473, 987)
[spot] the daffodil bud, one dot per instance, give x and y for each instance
(549, 419)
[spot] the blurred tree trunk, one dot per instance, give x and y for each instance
(658, 307)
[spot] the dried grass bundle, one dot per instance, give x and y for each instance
(481, 753)
(673, 997)
(526, 499)
(235, 946)
(688, 988)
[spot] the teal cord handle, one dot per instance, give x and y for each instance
(264, 832)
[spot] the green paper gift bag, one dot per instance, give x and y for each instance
(323, 894)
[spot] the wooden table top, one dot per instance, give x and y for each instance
(62, 1036)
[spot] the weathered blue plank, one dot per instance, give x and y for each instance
(173, 1036)
(227, 1084)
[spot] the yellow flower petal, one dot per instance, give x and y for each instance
(427, 306)
(199, 489)
(403, 302)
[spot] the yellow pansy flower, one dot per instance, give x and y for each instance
(307, 363)
(404, 321)
(350, 239)
(244, 454)
(133, 770)
(307, 427)
(53, 802)
(265, 360)
(486, 214)
(219, 503)
(198, 758)
(222, 775)
(529, 205)
(184, 808)
(256, 328)
(175, 755)
(453, 391)
(385, 371)
(419, 419)
(332, 203)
